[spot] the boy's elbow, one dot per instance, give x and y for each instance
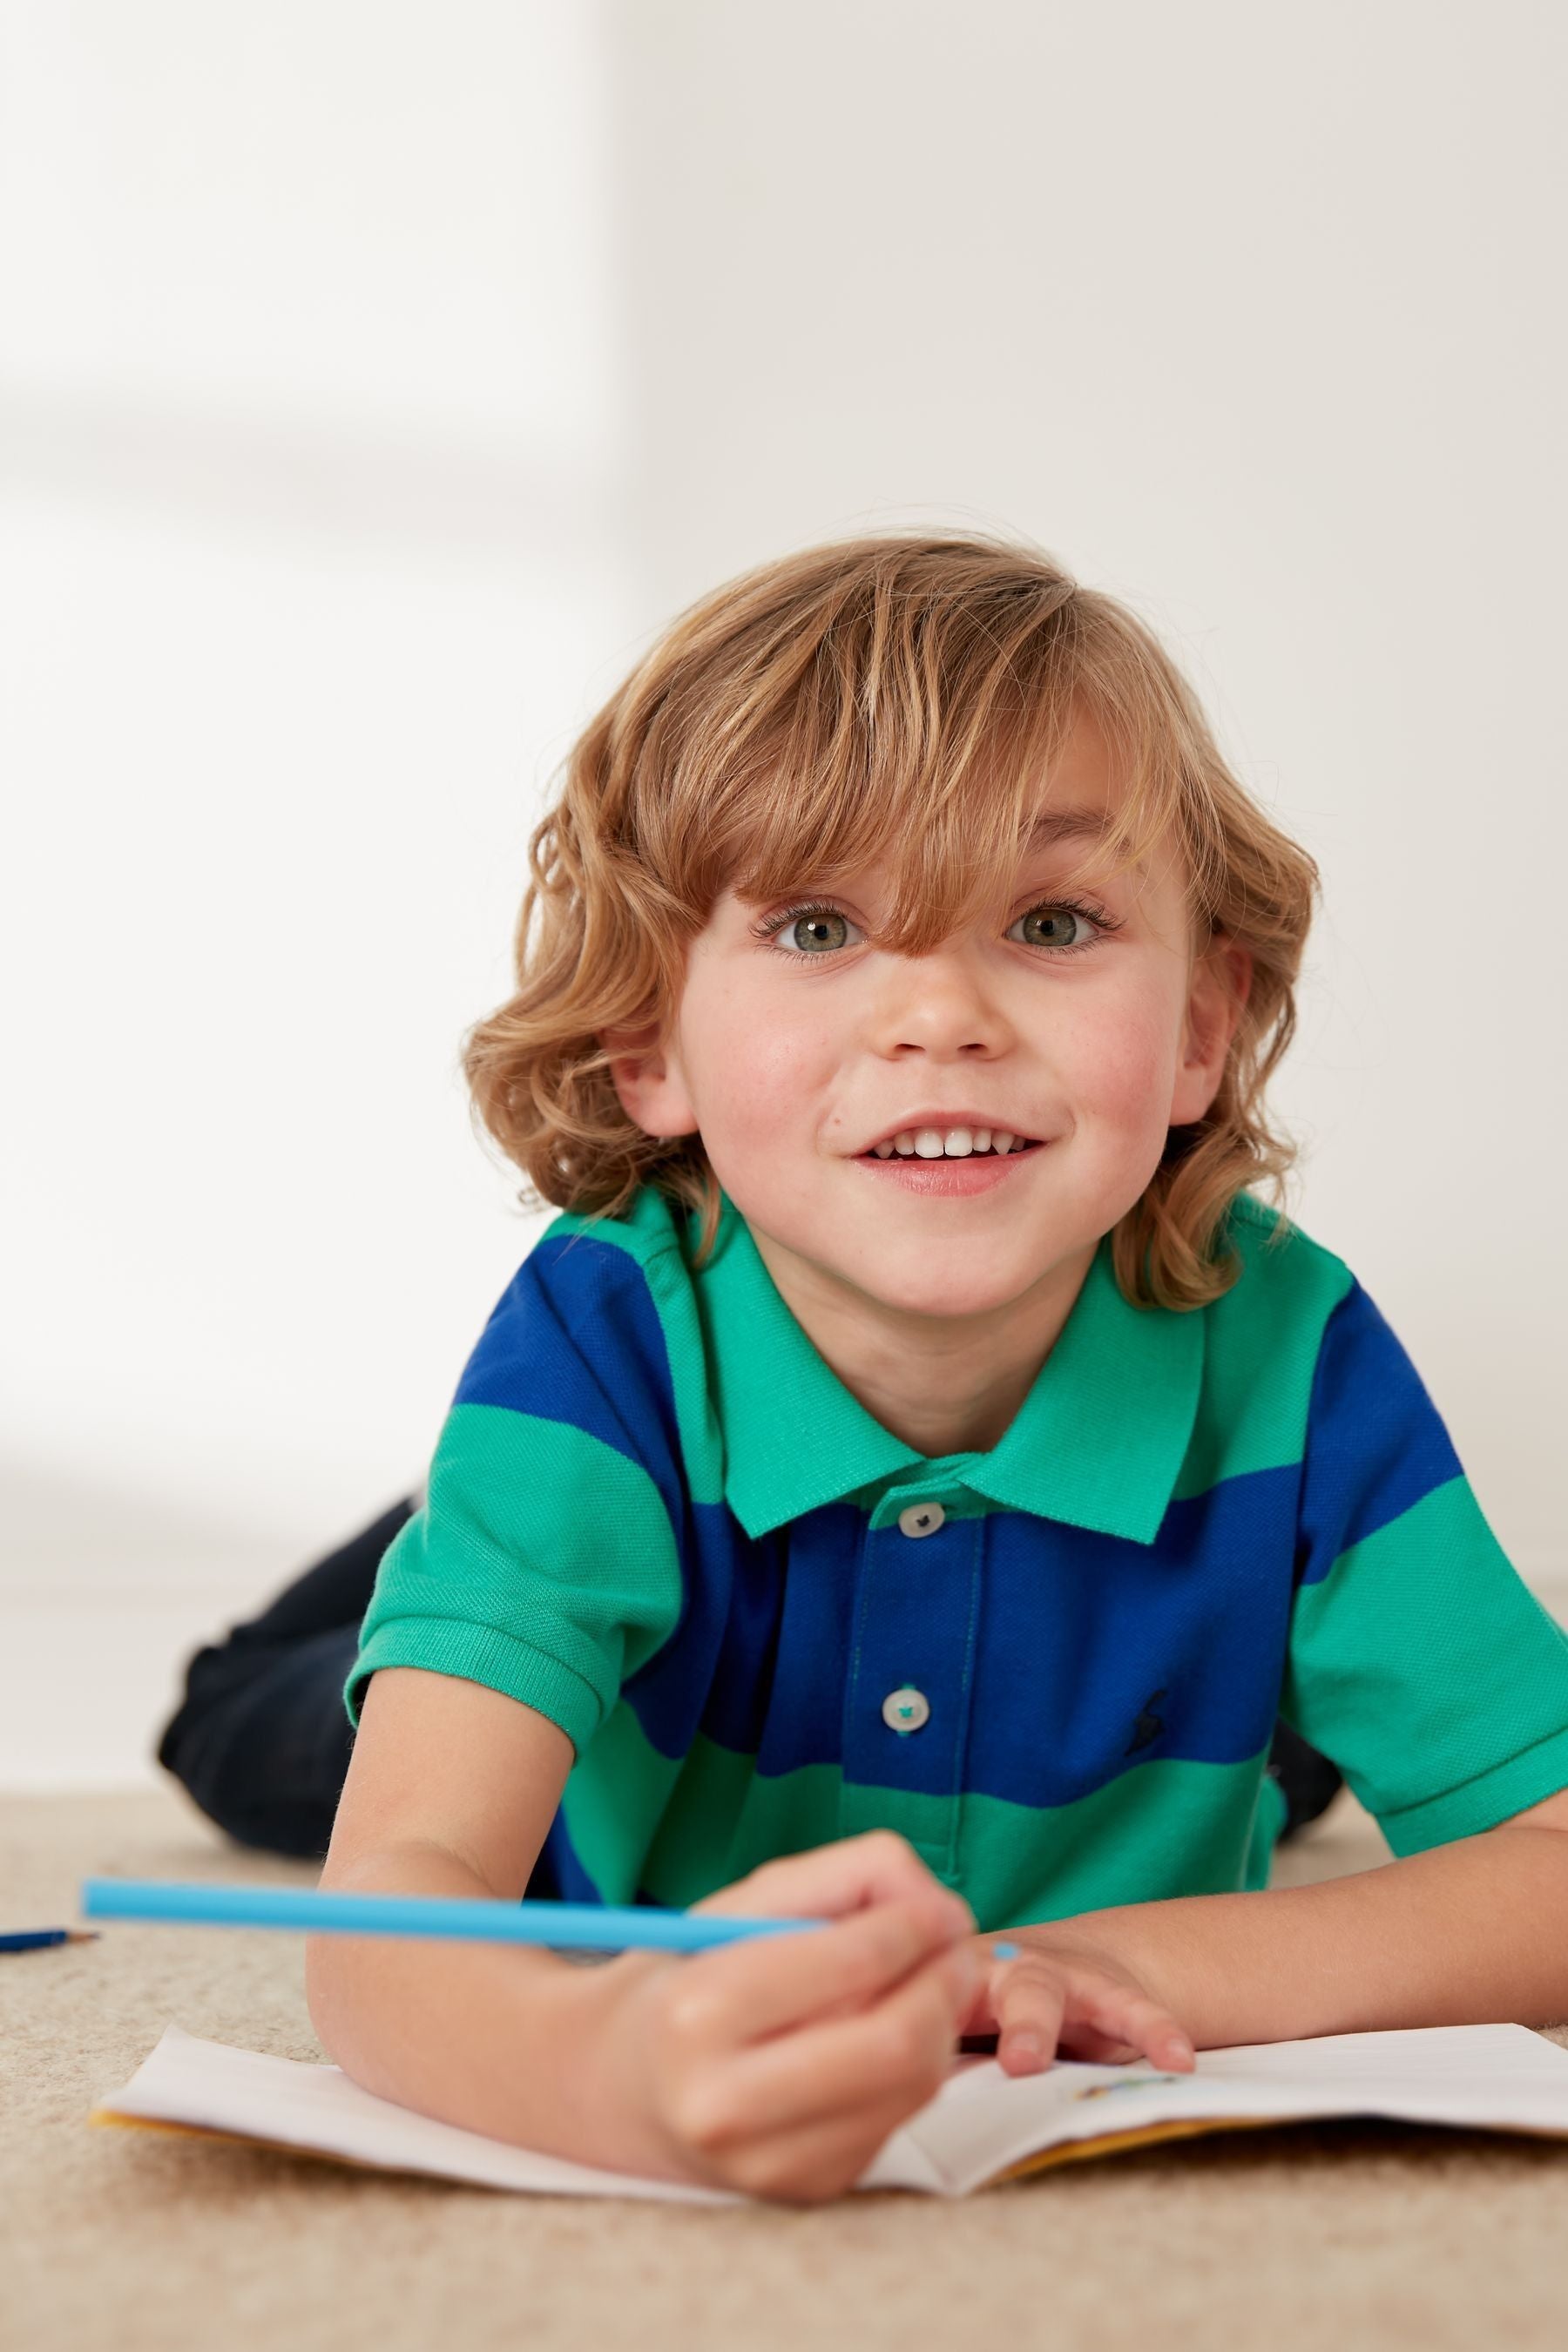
(339, 1969)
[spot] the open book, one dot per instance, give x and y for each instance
(982, 2124)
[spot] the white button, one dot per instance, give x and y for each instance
(921, 1519)
(906, 1709)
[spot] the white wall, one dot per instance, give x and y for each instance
(376, 378)
(311, 561)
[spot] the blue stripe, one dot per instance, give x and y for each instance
(575, 1338)
(1087, 1629)
(558, 1874)
(728, 1611)
(759, 1659)
(1376, 1441)
(1073, 1634)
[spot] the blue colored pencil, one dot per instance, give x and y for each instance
(565, 1927)
(568, 1927)
(34, 1939)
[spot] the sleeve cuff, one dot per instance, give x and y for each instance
(480, 1653)
(1491, 1798)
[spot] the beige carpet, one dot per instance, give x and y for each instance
(1357, 2235)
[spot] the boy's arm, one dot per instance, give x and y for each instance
(418, 1817)
(1474, 1932)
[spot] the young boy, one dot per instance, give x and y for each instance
(907, 1479)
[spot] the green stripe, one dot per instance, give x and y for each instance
(1418, 1656)
(478, 1653)
(1263, 1340)
(504, 1547)
(1491, 1798)
(614, 1801)
(676, 1831)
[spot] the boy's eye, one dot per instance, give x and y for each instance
(815, 929)
(1054, 927)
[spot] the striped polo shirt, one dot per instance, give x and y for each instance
(657, 1515)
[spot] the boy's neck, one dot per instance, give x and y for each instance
(944, 1384)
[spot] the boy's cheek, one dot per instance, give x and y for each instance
(1120, 1101)
(763, 1090)
(1121, 1066)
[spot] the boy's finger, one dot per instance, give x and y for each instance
(738, 1993)
(1029, 2009)
(1132, 2016)
(878, 1867)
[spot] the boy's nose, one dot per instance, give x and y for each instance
(941, 1004)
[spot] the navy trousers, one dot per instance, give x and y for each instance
(261, 1740)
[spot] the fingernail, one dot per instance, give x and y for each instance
(1026, 2046)
(1180, 2048)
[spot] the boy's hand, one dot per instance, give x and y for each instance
(1062, 1997)
(779, 2064)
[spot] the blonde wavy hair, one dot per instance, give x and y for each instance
(897, 698)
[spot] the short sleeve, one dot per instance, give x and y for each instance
(1419, 1661)
(545, 1559)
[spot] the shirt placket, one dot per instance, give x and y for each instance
(908, 1694)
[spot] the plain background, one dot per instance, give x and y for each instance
(377, 380)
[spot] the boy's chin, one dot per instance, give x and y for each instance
(946, 1278)
(912, 1256)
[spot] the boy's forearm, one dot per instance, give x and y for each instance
(1475, 1932)
(487, 2036)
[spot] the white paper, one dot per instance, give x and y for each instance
(980, 2122)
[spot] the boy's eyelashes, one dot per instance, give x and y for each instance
(1085, 911)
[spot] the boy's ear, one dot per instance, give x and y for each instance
(1220, 984)
(649, 1078)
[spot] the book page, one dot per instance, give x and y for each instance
(984, 2122)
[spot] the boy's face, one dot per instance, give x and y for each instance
(791, 1068)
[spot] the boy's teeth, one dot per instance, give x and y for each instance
(954, 1143)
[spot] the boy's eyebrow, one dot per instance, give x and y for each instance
(1062, 824)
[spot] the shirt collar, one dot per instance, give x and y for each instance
(1098, 1441)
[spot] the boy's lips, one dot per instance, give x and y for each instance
(950, 1179)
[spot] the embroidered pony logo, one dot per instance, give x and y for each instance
(1149, 1724)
